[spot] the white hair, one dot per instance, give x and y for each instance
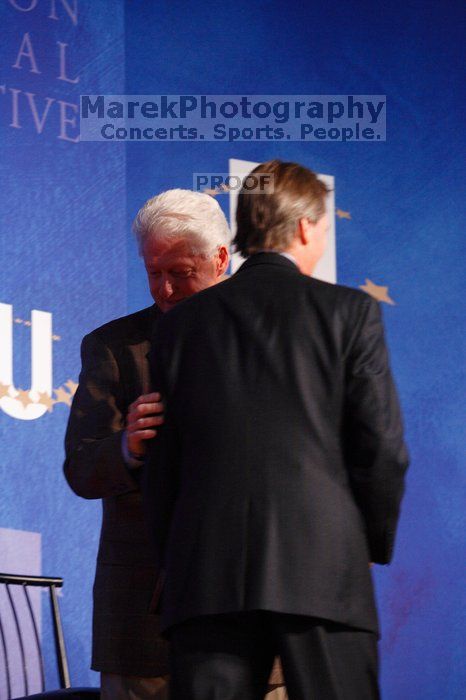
(176, 214)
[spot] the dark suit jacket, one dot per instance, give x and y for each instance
(115, 372)
(280, 467)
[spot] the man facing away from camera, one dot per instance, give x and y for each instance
(278, 474)
(183, 238)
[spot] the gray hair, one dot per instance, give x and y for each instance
(176, 214)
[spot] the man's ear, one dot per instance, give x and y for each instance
(304, 231)
(222, 260)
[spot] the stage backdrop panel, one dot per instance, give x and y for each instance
(69, 262)
(63, 272)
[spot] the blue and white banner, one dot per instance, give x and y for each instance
(68, 262)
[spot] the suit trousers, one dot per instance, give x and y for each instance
(229, 657)
(117, 687)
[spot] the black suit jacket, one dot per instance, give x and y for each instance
(115, 371)
(280, 468)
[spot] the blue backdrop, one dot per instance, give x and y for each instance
(67, 250)
(63, 251)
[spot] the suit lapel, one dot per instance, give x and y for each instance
(144, 348)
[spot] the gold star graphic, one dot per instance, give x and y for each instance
(62, 396)
(4, 390)
(377, 291)
(23, 397)
(46, 400)
(71, 386)
(218, 190)
(29, 323)
(342, 214)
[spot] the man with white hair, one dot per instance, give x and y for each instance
(183, 238)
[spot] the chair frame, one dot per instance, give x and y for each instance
(51, 583)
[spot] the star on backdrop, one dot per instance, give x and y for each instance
(46, 400)
(218, 190)
(23, 397)
(62, 396)
(29, 323)
(342, 214)
(377, 291)
(4, 390)
(71, 386)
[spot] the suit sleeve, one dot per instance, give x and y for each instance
(94, 466)
(375, 452)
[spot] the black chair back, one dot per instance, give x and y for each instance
(24, 616)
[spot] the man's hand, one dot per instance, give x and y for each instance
(143, 415)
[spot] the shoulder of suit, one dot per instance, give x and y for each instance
(125, 328)
(337, 293)
(187, 307)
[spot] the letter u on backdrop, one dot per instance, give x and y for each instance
(41, 365)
